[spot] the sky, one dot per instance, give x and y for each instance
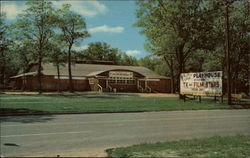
(109, 21)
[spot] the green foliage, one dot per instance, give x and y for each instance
(239, 46)
(189, 35)
(127, 60)
(155, 64)
(7, 64)
(240, 29)
(148, 62)
(72, 25)
(101, 51)
(183, 36)
(73, 28)
(35, 26)
(213, 147)
(57, 54)
(174, 24)
(175, 30)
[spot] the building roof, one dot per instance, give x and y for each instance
(88, 70)
(25, 74)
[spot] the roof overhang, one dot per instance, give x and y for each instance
(25, 74)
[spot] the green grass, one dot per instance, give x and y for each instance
(97, 102)
(213, 147)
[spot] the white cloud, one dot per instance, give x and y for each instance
(80, 48)
(12, 10)
(85, 8)
(99, 6)
(133, 52)
(105, 28)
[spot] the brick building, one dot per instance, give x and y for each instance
(94, 77)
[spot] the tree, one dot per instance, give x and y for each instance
(9, 63)
(57, 56)
(232, 25)
(36, 26)
(3, 48)
(73, 29)
(169, 59)
(239, 29)
(101, 51)
(127, 60)
(148, 62)
(176, 29)
(161, 65)
(22, 57)
(5, 55)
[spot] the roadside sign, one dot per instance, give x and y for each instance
(201, 83)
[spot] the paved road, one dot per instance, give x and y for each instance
(91, 134)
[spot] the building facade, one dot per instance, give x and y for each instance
(94, 77)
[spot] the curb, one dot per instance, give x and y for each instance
(72, 113)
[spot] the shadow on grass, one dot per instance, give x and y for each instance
(92, 95)
(235, 105)
(76, 94)
(209, 100)
(18, 115)
(241, 106)
(67, 96)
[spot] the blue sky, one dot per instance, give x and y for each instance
(107, 21)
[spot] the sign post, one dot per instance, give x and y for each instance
(201, 84)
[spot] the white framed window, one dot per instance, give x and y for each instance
(121, 81)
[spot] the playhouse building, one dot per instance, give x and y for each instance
(94, 77)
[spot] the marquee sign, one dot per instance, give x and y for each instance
(201, 83)
(121, 74)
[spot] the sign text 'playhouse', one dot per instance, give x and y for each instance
(201, 83)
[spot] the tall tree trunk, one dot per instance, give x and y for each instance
(172, 76)
(3, 77)
(228, 55)
(71, 86)
(181, 69)
(40, 74)
(223, 63)
(3, 70)
(24, 81)
(58, 78)
(171, 67)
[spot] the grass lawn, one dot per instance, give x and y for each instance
(96, 102)
(213, 147)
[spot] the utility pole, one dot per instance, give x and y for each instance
(228, 54)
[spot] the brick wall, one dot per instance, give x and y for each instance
(162, 86)
(50, 84)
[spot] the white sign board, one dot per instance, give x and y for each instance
(201, 83)
(121, 74)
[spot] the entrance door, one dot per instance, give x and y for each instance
(102, 82)
(142, 83)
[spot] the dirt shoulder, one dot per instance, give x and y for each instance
(157, 95)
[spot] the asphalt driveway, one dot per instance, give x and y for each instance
(91, 134)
